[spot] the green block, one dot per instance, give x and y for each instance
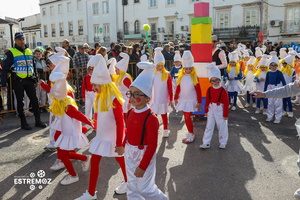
(201, 20)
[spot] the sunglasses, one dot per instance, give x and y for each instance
(284, 63)
(214, 80)
(273, 65)
(135, 94)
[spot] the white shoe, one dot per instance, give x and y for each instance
(233, 108)
(261, 108)
(86, 164)
(296, 101)
(284, 113)
(222, 146)
(268, 119)
(257, 111)
(276, 121)
(290, 114)
(247, 105)
(49, 146)
(69, 180)
(204, 146)
(87, 196)
(166, 133)
(189, 139)
(265, 112)
(253, 105)
(57, 165)
(28, 114)
(122, 189)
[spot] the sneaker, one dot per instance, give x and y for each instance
(290, 114)
(69, 180)
(222, 146)
(247, 105)
(86, 164)
(276, 121)
(254, 105)
(296, 101)
(122, 189)
(28, 114)
(268, 119)
(189, 139)
(264, 111)
(233, 108)
(284, 113)
(87, 196)
(166, 133)
(257, 111)
(297, 194)
(204, 146)
(57, 165)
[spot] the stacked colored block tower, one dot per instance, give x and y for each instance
(201, 46)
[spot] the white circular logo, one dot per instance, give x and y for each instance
(32, 187)
(41, 173)
(40, 187)
(32, 175)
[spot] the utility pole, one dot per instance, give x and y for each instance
(11, 35)
(261, 14)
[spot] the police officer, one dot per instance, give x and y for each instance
(19, 62)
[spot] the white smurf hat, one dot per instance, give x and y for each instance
(63, 65)
(282, 53)
(251, 61)
(177, 56)
(60, 51)
(233, 56)
(264, 60)
(213, 71)
(123, 64)
(158, 56)
(273, 57)
(246, 53)
(112, 63)
(187, 59)
(290, 49)
(59, 89)
(144, 58)
(100, 73)
(289, 59)
(144, 81)
(258, 52)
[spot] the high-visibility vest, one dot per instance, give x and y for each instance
(23, 62)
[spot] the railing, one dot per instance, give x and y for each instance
(290, 27)
(243, 32)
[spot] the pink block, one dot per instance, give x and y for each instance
(201, 9)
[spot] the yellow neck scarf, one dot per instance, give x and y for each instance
(193, 76)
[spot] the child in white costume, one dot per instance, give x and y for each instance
(216, 109)
(162, 93)
(140, 155)
(249, 78)
(87, 93)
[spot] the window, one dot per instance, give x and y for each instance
(251, 18)
(51, 10)
(152, 3)
(45, 31)
(80, 27)
(153, 31)
(136, 1)
(2, 31)
(170, 2)
(126, 28)
(96, 31)
(70, 27)
(136, 27)
(53, 30)
(60, 9)
(195, 0)
(95, 8)
(293, 16)
(222, 20)
(69, 6)
(44, 11)
(79, 4)
(61, 29)
(105, 7)
(106, 30)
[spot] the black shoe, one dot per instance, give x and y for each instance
(40, 124)
(26, 127)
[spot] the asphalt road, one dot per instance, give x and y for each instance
(259, 162)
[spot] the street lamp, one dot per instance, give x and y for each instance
(11, 35)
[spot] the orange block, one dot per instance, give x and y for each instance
(204, 84)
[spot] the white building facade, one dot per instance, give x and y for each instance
(8, 28)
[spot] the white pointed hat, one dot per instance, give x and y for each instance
(60, 50)
(59, 89)
(177, 56)
(63, 64)
(251, 61)
(187, 59)
(246, 53)
(282, 53)
(289, 59)
(123, 64)
(158, 56)
(258, 52)
(144, 81)
(290, 49)
(273, 58)
(264, 60)
(144, 58)
(233, 56)
(100, 73)
(213, 71)
(263, 48)
(112, 63)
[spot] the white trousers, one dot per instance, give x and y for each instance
(215, 116)
(89, 103)
(145, 187)
(274, 105)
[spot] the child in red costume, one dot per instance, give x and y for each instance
(110, 126)
(141, 139)
(188, 94)
(87, 92)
